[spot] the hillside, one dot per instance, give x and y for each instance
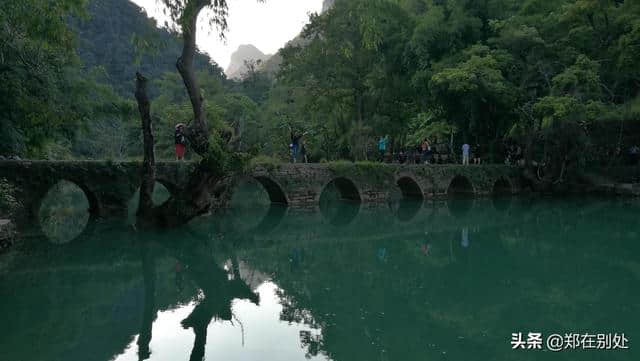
(106, 39)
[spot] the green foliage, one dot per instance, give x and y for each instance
(118, 36)
(554, 76)
(558, 77)
(563, 126)
(39, 87)
(348, 80)
(428, 126)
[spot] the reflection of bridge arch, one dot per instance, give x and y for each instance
(460, 185)
(271, 220)
(341, 214)
(460, 207)
(406, 210)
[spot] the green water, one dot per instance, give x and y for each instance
(443, 280)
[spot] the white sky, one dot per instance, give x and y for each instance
(267, 25)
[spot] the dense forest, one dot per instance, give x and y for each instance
(558, 78)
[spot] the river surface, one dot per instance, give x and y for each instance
(439, 280)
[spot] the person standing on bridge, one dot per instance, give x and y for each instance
(382, 146)
(181, 142)
(295, 144)
(476, 154)
(425, 149)
(465, 153)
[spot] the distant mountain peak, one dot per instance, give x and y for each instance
(327, 4)
(245, 52)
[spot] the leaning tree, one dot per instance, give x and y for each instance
(218, 160)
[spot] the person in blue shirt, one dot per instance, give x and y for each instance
(465, 153)
(295, 144)
(382, 146)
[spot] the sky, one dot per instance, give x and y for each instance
(268, 25)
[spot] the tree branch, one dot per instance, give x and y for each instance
(198, 131)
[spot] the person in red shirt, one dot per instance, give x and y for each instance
(181, 142)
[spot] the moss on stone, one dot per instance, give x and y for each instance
(263, 161)
(371, 171)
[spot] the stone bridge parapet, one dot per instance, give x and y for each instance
(110, 185)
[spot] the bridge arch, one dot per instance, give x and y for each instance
(502, 186)
(346, 188)
(162, 191)
(460, 185)
(69, 216)
(410, 188)
(171, 187)
(273, 188)
(92, 198)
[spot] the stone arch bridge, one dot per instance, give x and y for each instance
(109, 186)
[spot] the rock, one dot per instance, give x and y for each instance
(2, 157)
(237, 68)
(327, 4)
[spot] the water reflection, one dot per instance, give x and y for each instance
(451, 283)
(502, 203)
(340, 213)
(460, 207)
(63, 213)
(406, 209)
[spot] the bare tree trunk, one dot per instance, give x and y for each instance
(194, 200)
(198, 131)
(149, 313)
(145, 207)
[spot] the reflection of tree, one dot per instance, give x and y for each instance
(149, 313)
(89, 299)
(218, 290)
(312, 343)
(293, 313)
